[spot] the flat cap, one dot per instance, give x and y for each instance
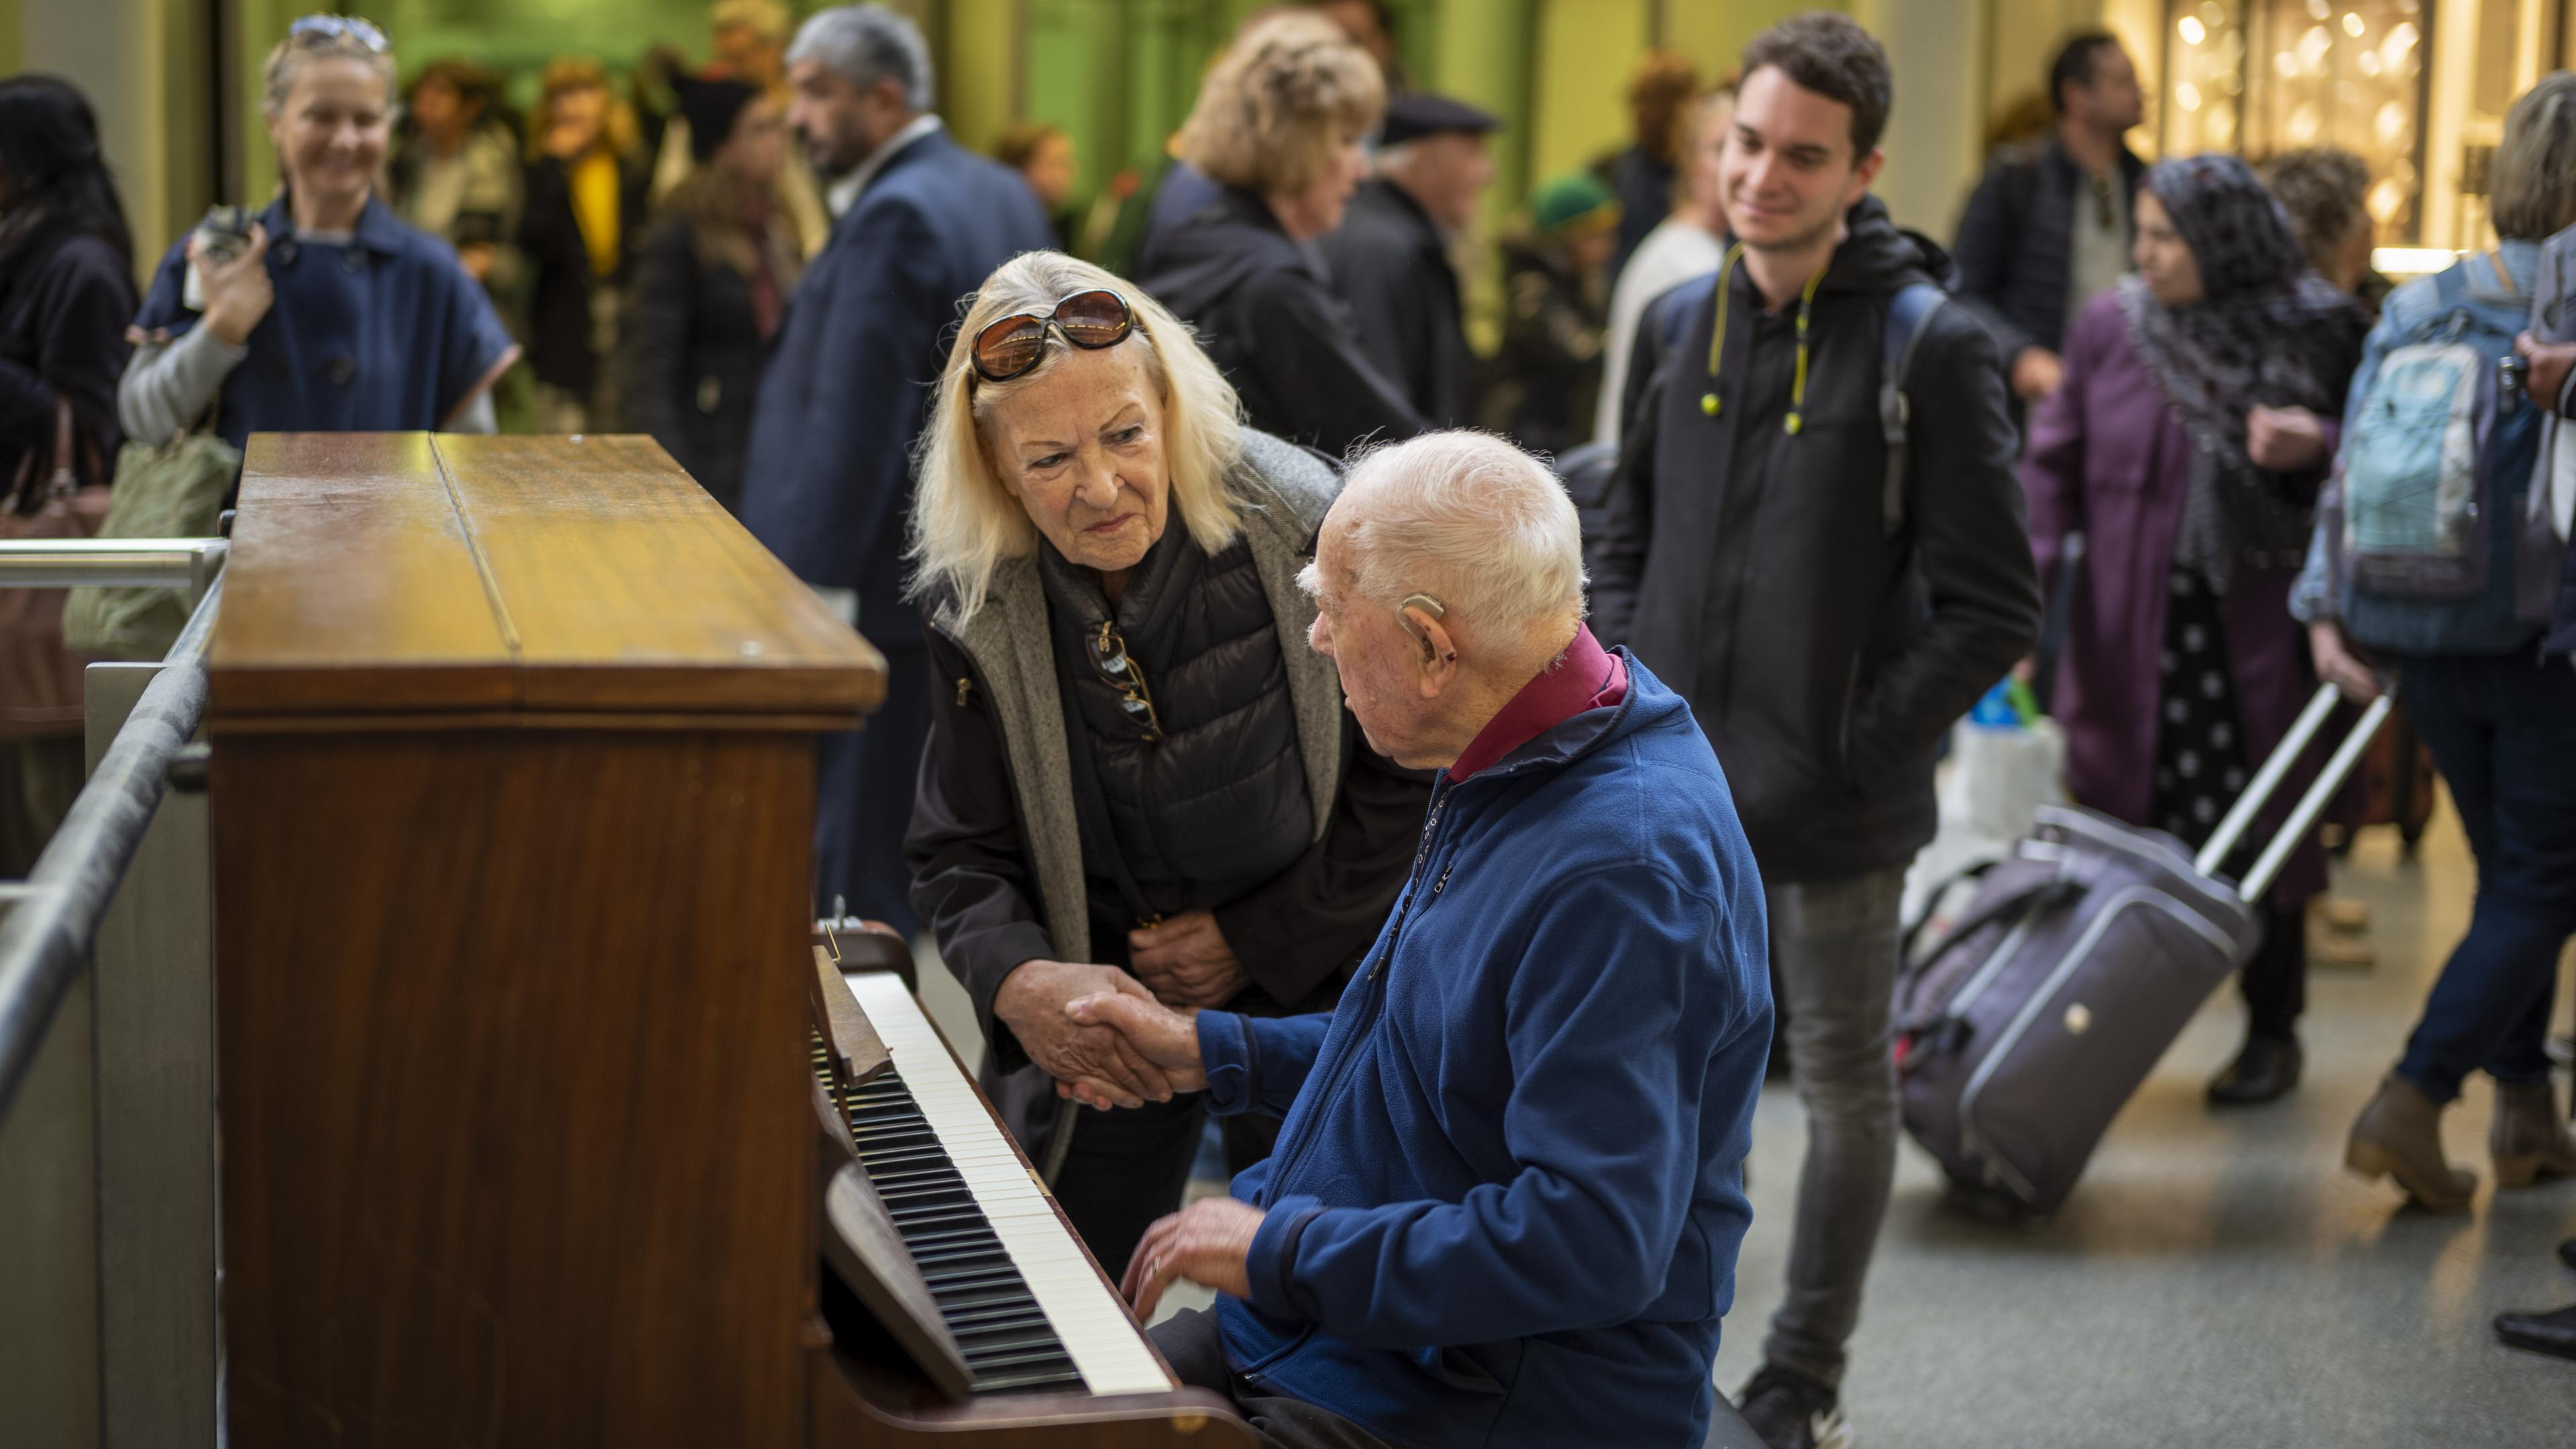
(1411, 115)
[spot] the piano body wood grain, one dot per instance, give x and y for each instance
(511, 801)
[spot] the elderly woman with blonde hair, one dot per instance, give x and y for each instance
(1139, 777)
(1278, 127)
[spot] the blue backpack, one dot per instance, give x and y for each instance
(2426, 529)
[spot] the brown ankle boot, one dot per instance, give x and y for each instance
(2529, 1139)
(2399, 1135)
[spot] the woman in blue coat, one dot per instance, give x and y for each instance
(338, 316)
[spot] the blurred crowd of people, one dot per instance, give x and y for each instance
(762, 262)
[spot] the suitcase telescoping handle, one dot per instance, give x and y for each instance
(2303, 817)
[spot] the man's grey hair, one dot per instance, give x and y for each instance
(1473, 521)
(864, 44)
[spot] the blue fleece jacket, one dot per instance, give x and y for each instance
(1505, 1207)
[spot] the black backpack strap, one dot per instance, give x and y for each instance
(1908, 312)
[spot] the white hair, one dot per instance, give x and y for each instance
(1472, 521)
(865, 44)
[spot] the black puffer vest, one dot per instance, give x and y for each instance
(1218, 804)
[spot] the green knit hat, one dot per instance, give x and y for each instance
(1561, 203)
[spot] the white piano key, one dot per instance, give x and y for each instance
(1096, 1331)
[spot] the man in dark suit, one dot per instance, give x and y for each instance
(921, 223)
(1390, 256)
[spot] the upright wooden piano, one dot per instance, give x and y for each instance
(543, 1120)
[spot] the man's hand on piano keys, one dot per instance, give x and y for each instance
(1209, 1242)
(1187, 962)
(1169, 1039)
(1032, 1004)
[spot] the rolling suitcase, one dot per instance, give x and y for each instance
(2024, 1030)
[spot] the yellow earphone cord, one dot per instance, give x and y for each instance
(1709, 402)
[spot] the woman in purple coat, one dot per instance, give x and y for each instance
(2199, 413)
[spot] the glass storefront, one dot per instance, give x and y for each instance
(2416, 88)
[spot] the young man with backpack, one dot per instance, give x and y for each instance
(2430, 561)
(1816, 535)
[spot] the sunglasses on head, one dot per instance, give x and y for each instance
(1009, 346)
(339, 27)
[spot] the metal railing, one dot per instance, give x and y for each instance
(68, 563)
(53, 917)
(107, 1177)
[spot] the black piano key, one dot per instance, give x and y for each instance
(964, 1279)
(894, 1139)
(909, 1155)
(1003, 1336)
(1067, 1377)
(927, 1196)
(909, 1174)
(962, 1256)
(875, 1115)
(964, 1319)
(984, 1361)
(985, 1297)
(914, 1147)
(941, 1240)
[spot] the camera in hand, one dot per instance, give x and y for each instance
(223, 235)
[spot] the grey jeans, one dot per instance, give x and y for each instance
(1835, 942)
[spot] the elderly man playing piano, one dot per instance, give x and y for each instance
(1505, 1207)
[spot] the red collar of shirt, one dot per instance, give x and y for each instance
(1590, 677)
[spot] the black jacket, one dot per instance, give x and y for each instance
(561, 281)
(62, 333)
(1392, 266)
(1267, 315)
(696, 349)
(1750, 568)
(2016, 244)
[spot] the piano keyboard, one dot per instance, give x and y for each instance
(1035, 1314)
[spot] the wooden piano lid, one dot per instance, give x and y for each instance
(536, 581)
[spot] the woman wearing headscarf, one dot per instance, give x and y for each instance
(1138, 776)
(711, 285)
(1278, 127)
(2198, 418)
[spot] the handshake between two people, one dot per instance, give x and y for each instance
(1101, 1033)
